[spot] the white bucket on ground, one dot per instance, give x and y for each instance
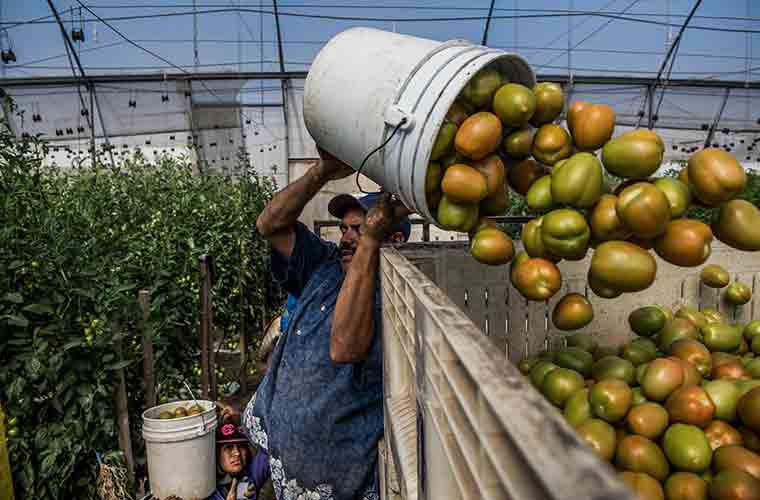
(364, 81)
(181, 451)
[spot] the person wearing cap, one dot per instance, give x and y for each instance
(318, 412)
(238, 476)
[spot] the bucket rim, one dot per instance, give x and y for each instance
(211, 408)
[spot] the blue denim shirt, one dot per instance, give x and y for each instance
(290, 306)
(319, 421)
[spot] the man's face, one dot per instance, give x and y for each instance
(349, 227)
(233, 458)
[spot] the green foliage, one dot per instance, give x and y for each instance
(75, 248)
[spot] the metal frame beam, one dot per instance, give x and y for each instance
(47, 81)
(484, 41)
(225, 105)
(284, 87)
(716, 120)
(94, 102)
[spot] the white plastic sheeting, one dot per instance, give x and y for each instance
(160, 118)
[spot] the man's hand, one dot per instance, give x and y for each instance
(331, 168)
(382, 218)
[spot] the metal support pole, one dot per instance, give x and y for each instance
(102, 125)
(1, 18)
(568, 96)
(143, 298)
(488, 24)
(199, 153)
(284, 85)
(716, 120)
(570, 41)
(90, 87)
(286, 136)
(53, 81)
(93, 148)
(205, 327)
(8, 115)
(279, 36)
(196, 59)
(650, 107)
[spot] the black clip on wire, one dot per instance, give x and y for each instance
(369, 155)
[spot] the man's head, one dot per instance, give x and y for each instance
(232, 449)
(351, 211)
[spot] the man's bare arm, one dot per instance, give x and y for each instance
(353, 321)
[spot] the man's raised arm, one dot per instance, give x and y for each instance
(276, 222)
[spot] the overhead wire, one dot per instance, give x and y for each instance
(390, 19)
(625, 71)
(594, 32)
(570, 30)
(157, 56)
(156, 67)
(59, 56)
(322, 42)
(672, 53)
(452, 8)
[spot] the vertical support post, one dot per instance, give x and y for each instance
(243, 345)
(651, 89)
(6, 481)
(94, 95)
(488, 24)
(747, 51)
(426, 231)
(718, 116)
(93, 149)
(516, 30)
(199, 154)
(286, 136)
(122, 416)
(1, 18)
(284, 85)
(213, 337)
(568, 97)
(196, 59)
(8, 114)
(143, 299)
(205, 326)
(747, 69)
(570, 40)
(243, 340)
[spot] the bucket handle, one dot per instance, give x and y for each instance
(202, 427)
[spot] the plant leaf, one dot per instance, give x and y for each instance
(41, 309)
(16, 320)
(119, 365)
(14, 297)
(72, 344)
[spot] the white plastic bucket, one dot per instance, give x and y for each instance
(181, 451)
(365, 81)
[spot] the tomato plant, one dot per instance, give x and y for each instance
(75, 248)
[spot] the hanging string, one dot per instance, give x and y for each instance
(369, 155)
